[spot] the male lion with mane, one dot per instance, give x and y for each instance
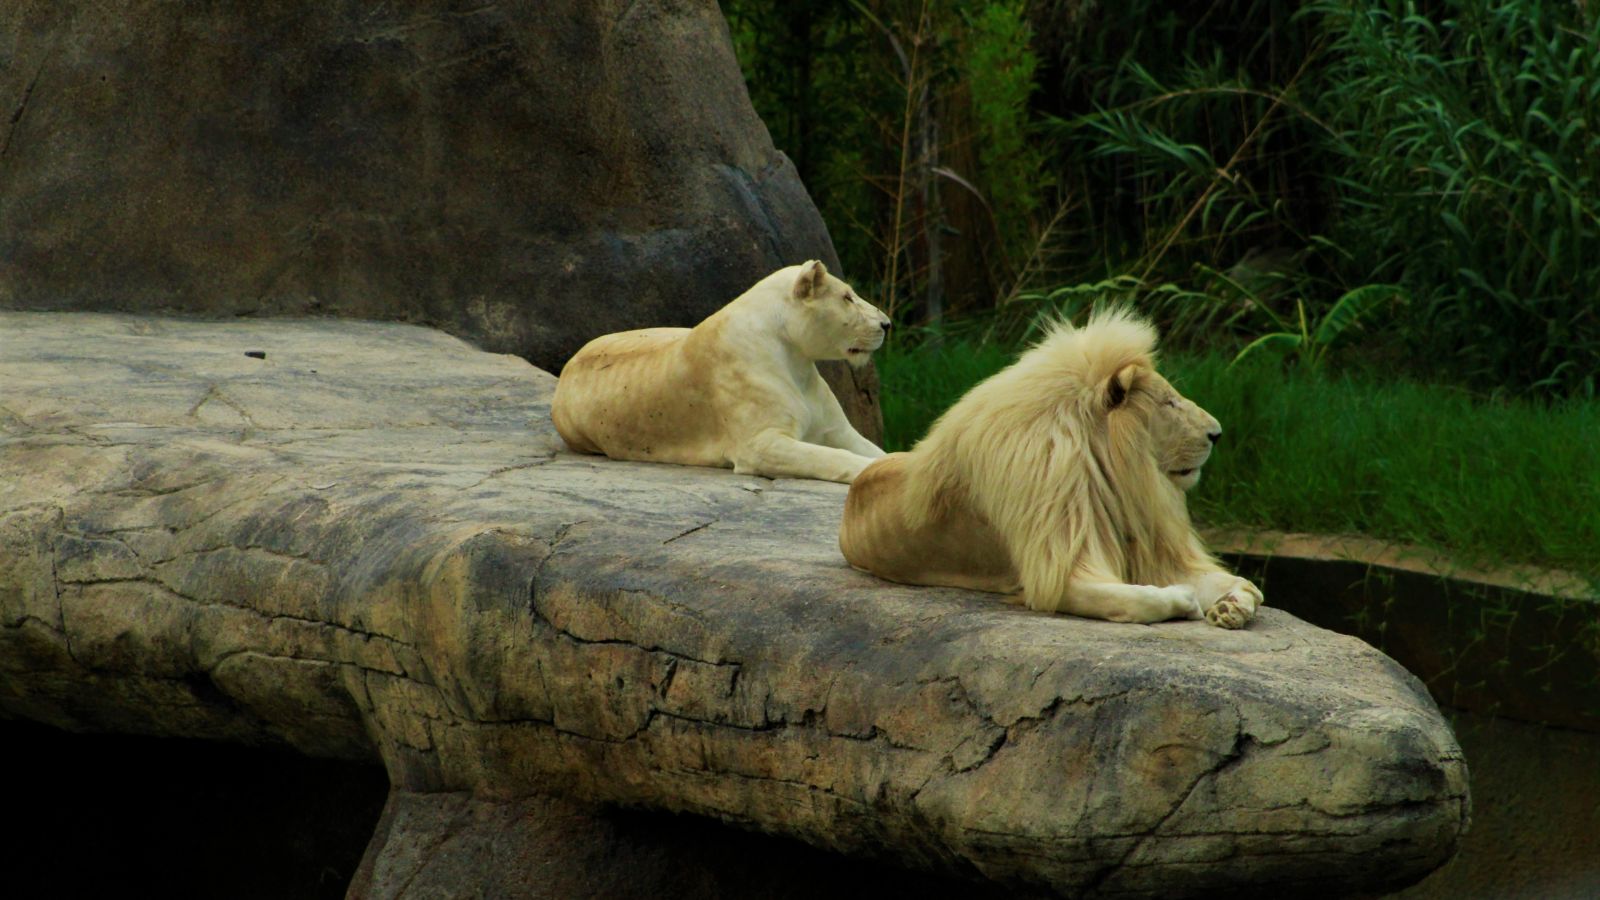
(1061, 478)
(740, 389)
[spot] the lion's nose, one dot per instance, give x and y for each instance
(885, 325)
(1214, 435)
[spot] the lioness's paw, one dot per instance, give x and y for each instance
(1236, 608)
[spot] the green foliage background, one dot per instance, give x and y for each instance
(1222, 164)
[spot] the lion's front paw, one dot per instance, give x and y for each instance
(1229, 612)
(1236, 608)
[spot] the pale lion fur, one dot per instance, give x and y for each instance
(1060, 478)
(740, 389)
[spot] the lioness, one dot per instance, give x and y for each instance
(740, 389)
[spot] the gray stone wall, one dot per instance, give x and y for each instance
(526, 175)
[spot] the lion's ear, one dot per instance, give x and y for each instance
(1118, 385)
(813, 275)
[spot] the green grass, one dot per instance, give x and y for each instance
(922, 381)
(1491, 482)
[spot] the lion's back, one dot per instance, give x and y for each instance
(878, 534)
(633, 395)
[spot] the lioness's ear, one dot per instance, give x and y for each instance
(1118, 385)
(809, 283)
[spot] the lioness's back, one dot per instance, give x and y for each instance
(633, 395)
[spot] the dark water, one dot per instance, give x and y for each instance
(1535, 832)
(112, 815)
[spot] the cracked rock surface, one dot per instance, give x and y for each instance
(371, 544)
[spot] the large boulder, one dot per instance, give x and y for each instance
(368, 542)
(526, 175)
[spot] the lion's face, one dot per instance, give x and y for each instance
(1181, 433)
(831, 321)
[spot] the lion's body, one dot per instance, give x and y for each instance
(740, 389)
(1060, 479)
(954, 549)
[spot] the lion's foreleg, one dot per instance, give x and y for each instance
(1118, 602)
(1062, 568)
(776, 455)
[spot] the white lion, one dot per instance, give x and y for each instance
(1060, 478)
(740, 389)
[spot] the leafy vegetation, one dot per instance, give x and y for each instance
(971, 157)
(1471, 139)
(1311, 340)
(911, 123)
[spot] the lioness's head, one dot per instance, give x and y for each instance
(1181, 433)
(829, 320)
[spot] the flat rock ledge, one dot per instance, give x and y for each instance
(366, 541)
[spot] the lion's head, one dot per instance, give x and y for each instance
(826, 318)
(1179, 433)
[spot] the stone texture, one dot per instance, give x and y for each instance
(454, 844)
(527, 175)
(369, 544)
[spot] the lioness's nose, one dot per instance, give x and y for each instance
(1214, 435)
(885, 324)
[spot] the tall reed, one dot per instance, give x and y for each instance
(1470, 131)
